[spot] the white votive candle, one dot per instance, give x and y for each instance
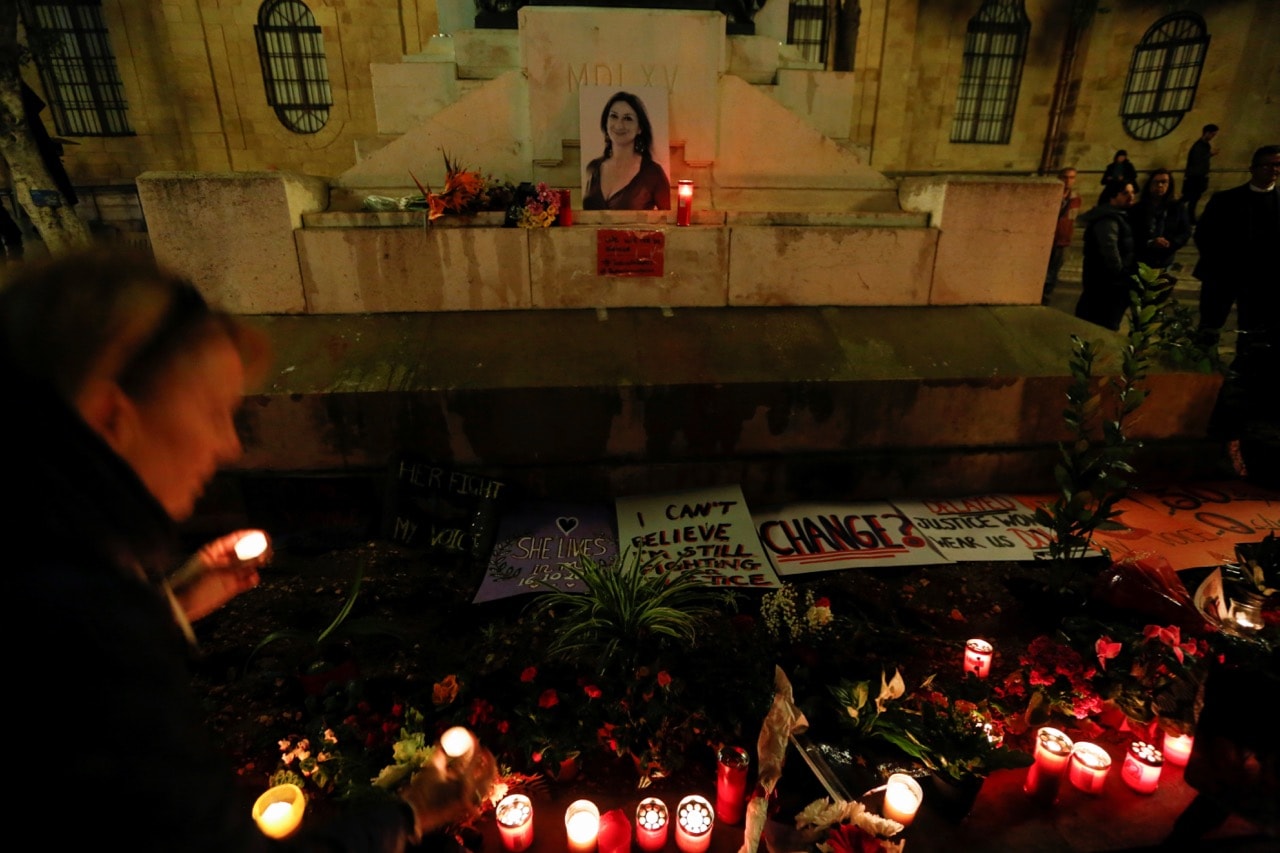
(582, 826)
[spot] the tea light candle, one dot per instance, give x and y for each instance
(902, 796)
(1177, 749)
(1089, 767)
(251, 546)
(279, 810)
(457, 742)
(582, 826)
(684, 202)
(731, 783)
(514, 813)
(977, 657)
(651, 824)
(694, 819)
(1053, 751)
(1141, 768)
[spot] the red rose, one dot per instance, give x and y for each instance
(529, 674)
(503, 727)
(663, 678)
(548, 699)
(823, 602)
(592, 691)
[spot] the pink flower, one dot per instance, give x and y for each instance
(1106, 650)
(1171, 637)
(851, 838)
(529, 674)
(548, 699)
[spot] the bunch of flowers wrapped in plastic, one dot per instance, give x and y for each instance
(840, 827)
(540, 208)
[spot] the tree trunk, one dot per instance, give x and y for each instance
(59, 227)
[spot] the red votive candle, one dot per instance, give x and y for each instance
(1141, 768)
(977, 657)
(565, 216)
(514, 813)
(684, 202)
(694, 819)
(651, 824)
(731, 783)
(1053, 752)
(1177, 749)
(1089, 767)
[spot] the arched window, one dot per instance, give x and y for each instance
(994, 51)
(77, 68)
(1163, 75)
(294, 71)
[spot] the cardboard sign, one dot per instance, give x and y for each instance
(804, 538)
(1193, 526)
(705, 531)
(982, 527)
(630, 253)
(441, 510)
(538, 544)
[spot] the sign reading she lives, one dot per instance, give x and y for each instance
(631, 253)
(983, 527)
(822, 537)
(538, 544)
(708, 532)
(441, 510)
(1193, 526)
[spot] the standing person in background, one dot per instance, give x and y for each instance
(1109, 261)
(1159, 222)
(1118, 170)
(1068, 208)
(1195, 179)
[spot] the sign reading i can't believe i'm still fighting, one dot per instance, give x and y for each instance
(630, 253)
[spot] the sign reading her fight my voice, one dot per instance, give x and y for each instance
(630, 253)
(708, 532)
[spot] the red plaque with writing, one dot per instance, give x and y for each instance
(637, 253)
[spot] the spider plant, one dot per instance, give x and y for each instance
(623, 613)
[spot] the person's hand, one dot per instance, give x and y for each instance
(216, 574)
(442, 795)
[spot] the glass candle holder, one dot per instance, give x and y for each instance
(279, 810)
(1141, 768)
(652, 822)
(694, 819)
(1177, 749)
(977, 657)
(582, 826)
(902, 798)
(514, 814)
(731, 783)
(1053, 751)
(684, 202)
(1090, 765)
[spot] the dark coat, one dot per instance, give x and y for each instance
(1109, 265)
(114, 749)
(1237, 235)
(1150, 221)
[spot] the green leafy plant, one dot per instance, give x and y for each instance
(625, 614)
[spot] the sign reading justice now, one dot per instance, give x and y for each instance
(630, 253)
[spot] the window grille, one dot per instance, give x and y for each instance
(1163, 75)
(994, 52)
(77, 68)
(294, 71)
(807, 29)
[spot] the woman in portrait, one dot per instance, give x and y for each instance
(626, 177)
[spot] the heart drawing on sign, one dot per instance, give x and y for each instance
(566, 525)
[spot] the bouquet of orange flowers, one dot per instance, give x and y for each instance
(465, 191)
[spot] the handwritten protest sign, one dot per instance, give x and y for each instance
(982, 527)
(441, 510)
(540, 543)
(1192, 526)
(630, 253)
(708, 532)
(813, 537)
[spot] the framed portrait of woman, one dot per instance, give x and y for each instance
(625, 150)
